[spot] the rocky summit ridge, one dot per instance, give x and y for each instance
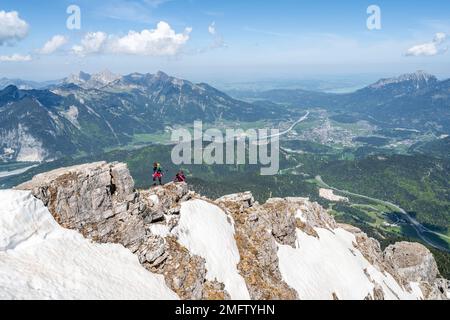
(234, 247)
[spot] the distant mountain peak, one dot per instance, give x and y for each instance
(11, 88)
(21, 84)
(9, 94)
(84, 75)
(77, 78)
(161, 74)
(419, 75)
(418, 79)
(10, 91)
(89, 81)
(106, 76)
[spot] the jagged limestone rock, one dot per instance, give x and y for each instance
(257, 248)
(184, 273)
(280, 216)
(96, 199)
(371, 250)
(378, 293)
(213, 290)
(153, 251)
(413, 261)
(122, 183)
(100, 201)
(244, 198)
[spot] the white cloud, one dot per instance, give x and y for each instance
(15, 58)
(93, 42)
(12, 28)
(212, 28)
(432, 48)
(440, 37)
(162, 41)
(218, 41)
(53, 44)
(426, 49)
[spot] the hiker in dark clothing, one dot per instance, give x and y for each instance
(180, 177)
(157, 173)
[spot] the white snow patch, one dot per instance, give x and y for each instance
(41, 260)
(320, 267)
(300, 215)
(204, 230)
(154, 198)
(415, 287)
(161, 230)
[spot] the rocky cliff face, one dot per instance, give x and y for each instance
(234, 247)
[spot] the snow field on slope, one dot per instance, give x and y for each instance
(317, 268)
(205, 231)
(41, 260)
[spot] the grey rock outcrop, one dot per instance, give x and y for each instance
(416, 263)
(257, 248)
(96, 199)
(100, 201)
(405, 262)
(413, 261)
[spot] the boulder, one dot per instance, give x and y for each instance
(413, 261)
(97, 199)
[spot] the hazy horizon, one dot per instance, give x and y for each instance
(356, 78)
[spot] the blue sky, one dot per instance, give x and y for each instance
(207, 40)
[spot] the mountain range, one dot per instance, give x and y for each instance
(26, 84)
(418, 101)
(86, 113)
